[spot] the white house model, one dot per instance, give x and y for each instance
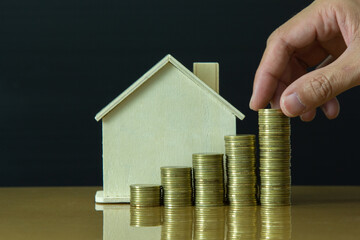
(161, 120)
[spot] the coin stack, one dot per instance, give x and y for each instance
(208, 179)
(145, 195)
(145, 216)
(209, 223)
(240, 169)
(275, 153)
(241, 222)
(177, 223)
(276, 222)
(177, 186)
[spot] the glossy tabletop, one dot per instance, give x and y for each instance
(70, 213)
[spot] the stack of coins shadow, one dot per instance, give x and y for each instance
(208, 179)
(276, 222)
(240, 169)
(275, 153)
(177, 223)
(177, 186)
(145, 216)
(241, 223)
(209, 223)
(145, 195)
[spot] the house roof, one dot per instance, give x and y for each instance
(151, 72)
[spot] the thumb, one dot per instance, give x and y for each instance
(319, 86)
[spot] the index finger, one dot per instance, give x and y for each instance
(297, 33)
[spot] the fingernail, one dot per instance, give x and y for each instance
(293, 105)
(325, 109)
(251, 99)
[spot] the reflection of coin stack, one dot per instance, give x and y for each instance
(208, 179)
(209, 223)
(177, 186)
(274, 140)
(241, 223)
(145, 195)
(177, 223)
(276, 222)
(240, 168)
(145, 216)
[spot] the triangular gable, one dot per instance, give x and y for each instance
(155, 69)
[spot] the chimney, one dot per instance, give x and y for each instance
(208, 73)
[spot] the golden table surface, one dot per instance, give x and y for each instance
(70, 213)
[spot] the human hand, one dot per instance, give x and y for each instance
(327, 32)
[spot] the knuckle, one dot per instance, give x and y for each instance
(278, 37)
(274, 35)
(321, 87)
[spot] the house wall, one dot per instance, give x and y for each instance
(160, 124)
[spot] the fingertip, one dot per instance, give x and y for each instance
(256, 103)
(275, 105)
(251, 103)
(252, 108)
(331, 108)
(291, 105)
(308, 116)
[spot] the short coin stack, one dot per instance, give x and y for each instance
(208, 179)
(177, 186)
(145, 195)
(240, 169)
(275, 152)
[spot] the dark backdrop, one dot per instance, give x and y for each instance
(61, 61)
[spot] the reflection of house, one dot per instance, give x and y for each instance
(161, 119)
(118, 222)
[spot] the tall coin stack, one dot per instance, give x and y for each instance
(208, 179)
(240, 169)
(275, 153)
(145, 195)
(177, 186)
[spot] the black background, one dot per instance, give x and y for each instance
(62, 61)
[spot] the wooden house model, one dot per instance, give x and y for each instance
(160, 120)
